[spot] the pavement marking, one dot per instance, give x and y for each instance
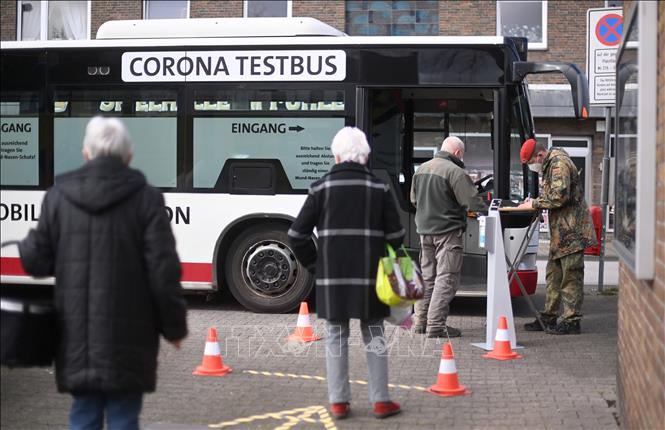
(293, 417)
(321, 378)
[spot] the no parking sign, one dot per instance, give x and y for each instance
(604, 29)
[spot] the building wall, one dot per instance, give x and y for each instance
(331, 12)
(216, 9)
(8, 20)
(641, 361)
(467, 18)
(102, 11)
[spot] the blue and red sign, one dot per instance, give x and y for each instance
(609, 28)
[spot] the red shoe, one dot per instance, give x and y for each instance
(340, 410)
(386, 409)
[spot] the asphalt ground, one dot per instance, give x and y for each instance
(562, 382)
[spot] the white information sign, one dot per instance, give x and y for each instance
(604, 29)
(19, 151)
(234, 66)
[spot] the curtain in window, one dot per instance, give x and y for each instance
(30, 20)
(67, 20)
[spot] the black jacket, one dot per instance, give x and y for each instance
(355, 215)
(103, 232)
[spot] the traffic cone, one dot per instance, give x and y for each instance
(502, 349)
(303, 332)
(447, 384)
(212, 364)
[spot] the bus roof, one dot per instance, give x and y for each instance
(220, 32)
(215, 27)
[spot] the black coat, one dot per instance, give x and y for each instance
(355, 215)
(104, 233)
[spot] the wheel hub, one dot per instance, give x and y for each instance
(270, 268)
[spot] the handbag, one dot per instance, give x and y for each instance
(399, 281)
(28, 322)
(28, 332)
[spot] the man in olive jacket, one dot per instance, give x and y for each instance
(442, 193)
(571, 231)
(103, 232)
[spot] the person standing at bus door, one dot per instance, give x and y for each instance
(104, 234)
(355, 215)
(571, 231)
(442, 193)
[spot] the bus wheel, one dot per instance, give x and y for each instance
(262, 271)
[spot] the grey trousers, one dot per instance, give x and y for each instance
(337, 360)
(441, 263)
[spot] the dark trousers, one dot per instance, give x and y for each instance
(122, 411)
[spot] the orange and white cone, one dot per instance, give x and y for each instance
(303, 332)
(212, 364)
(502, 349)
(447, 384)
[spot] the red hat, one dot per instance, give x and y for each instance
(527, 150)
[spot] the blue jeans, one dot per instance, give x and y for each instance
(122, 411)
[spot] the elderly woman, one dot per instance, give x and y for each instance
(355, 215)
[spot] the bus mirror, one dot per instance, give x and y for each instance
(577, 79)
(624, 73)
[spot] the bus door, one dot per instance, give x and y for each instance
(405, 128)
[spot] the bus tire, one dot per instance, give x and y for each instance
(263, 273)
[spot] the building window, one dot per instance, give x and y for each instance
(165, 9)
(635, 137)
(392, 18)
(53, 20)
(267, 8)
(523, 18)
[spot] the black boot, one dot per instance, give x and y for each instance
(548, 322)
(565, 327)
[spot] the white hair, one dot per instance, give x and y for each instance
(452, 144)
(350, 144)
(107, 136)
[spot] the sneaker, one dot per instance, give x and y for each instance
(419, 329)
(340, 410)
(535, 325)
(386, 409)
(451, 332)
(565, 327)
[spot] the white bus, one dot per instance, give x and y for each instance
(232, 119)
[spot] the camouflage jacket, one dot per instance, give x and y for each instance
(571, 228)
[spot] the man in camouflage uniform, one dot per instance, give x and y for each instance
(571, 231)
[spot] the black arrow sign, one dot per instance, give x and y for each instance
(297, 128)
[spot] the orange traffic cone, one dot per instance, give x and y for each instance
(303, 332)
(447, 384)
(212, 364)
(502, 349)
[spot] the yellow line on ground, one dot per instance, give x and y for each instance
(302, 415)
(321, 378)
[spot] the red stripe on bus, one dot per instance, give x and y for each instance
(191, 272)
(11, 266)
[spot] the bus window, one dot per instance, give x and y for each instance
(150, 118)
(297, 138)
(19, 147)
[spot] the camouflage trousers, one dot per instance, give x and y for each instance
(565, 283)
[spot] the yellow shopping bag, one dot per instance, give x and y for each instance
(398, 279)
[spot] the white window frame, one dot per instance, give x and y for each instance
(145, 9)
(578, 151)
(532, 46)
(289, 8)
(642, 261)
(43, 27)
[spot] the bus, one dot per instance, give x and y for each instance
(233, 119)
